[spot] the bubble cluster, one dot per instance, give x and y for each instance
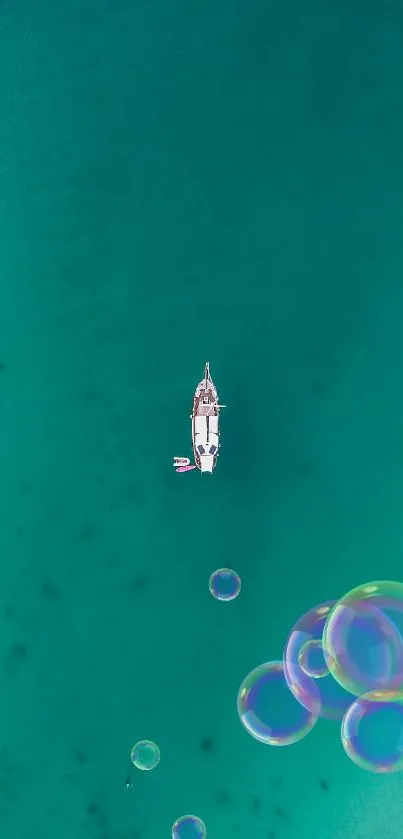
(189, 827)
(145, 755)
(225, 584)
(269, 711)
(343, 661)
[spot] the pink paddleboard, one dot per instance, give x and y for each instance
(183, 464)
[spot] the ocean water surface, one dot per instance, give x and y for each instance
(182, 182)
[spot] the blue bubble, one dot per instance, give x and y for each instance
(372, 731)
(225, 584)
(307, 670)
(269, 711)
(145, 755)
(362, 638)
(311, 659)
(189, 827)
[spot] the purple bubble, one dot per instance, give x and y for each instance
(362, 638)
(372, 731)
(189, 827)
(323, 696)
(269, 711)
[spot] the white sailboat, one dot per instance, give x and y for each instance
(205, 419)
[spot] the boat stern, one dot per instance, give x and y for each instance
(206, 463)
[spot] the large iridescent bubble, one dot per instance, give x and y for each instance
(372, 731)
(268, 709)
(362, 638)
(306, 669)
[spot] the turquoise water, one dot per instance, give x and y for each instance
(183, 182)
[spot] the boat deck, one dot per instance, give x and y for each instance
(204, 409)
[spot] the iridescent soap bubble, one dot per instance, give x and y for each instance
(311, 659)
(225, 584)
(323, 696)
(189, 827)
(362, 638)
(372, 731)
(145, 755)
(268, 709)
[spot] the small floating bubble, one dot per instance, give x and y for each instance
(189, 827)
(311, 659)
(145, 755)
(225, 584)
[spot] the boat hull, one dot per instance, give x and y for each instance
(205, 423)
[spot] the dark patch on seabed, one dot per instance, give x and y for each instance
(139, 583)
(87, 533)
(276, 782)
(96, 815)
(256, 802)
(207, 745)
(223, 798)
(16, 657)
(51, 592)
(80, 756)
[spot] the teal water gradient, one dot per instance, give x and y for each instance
(183, 182)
